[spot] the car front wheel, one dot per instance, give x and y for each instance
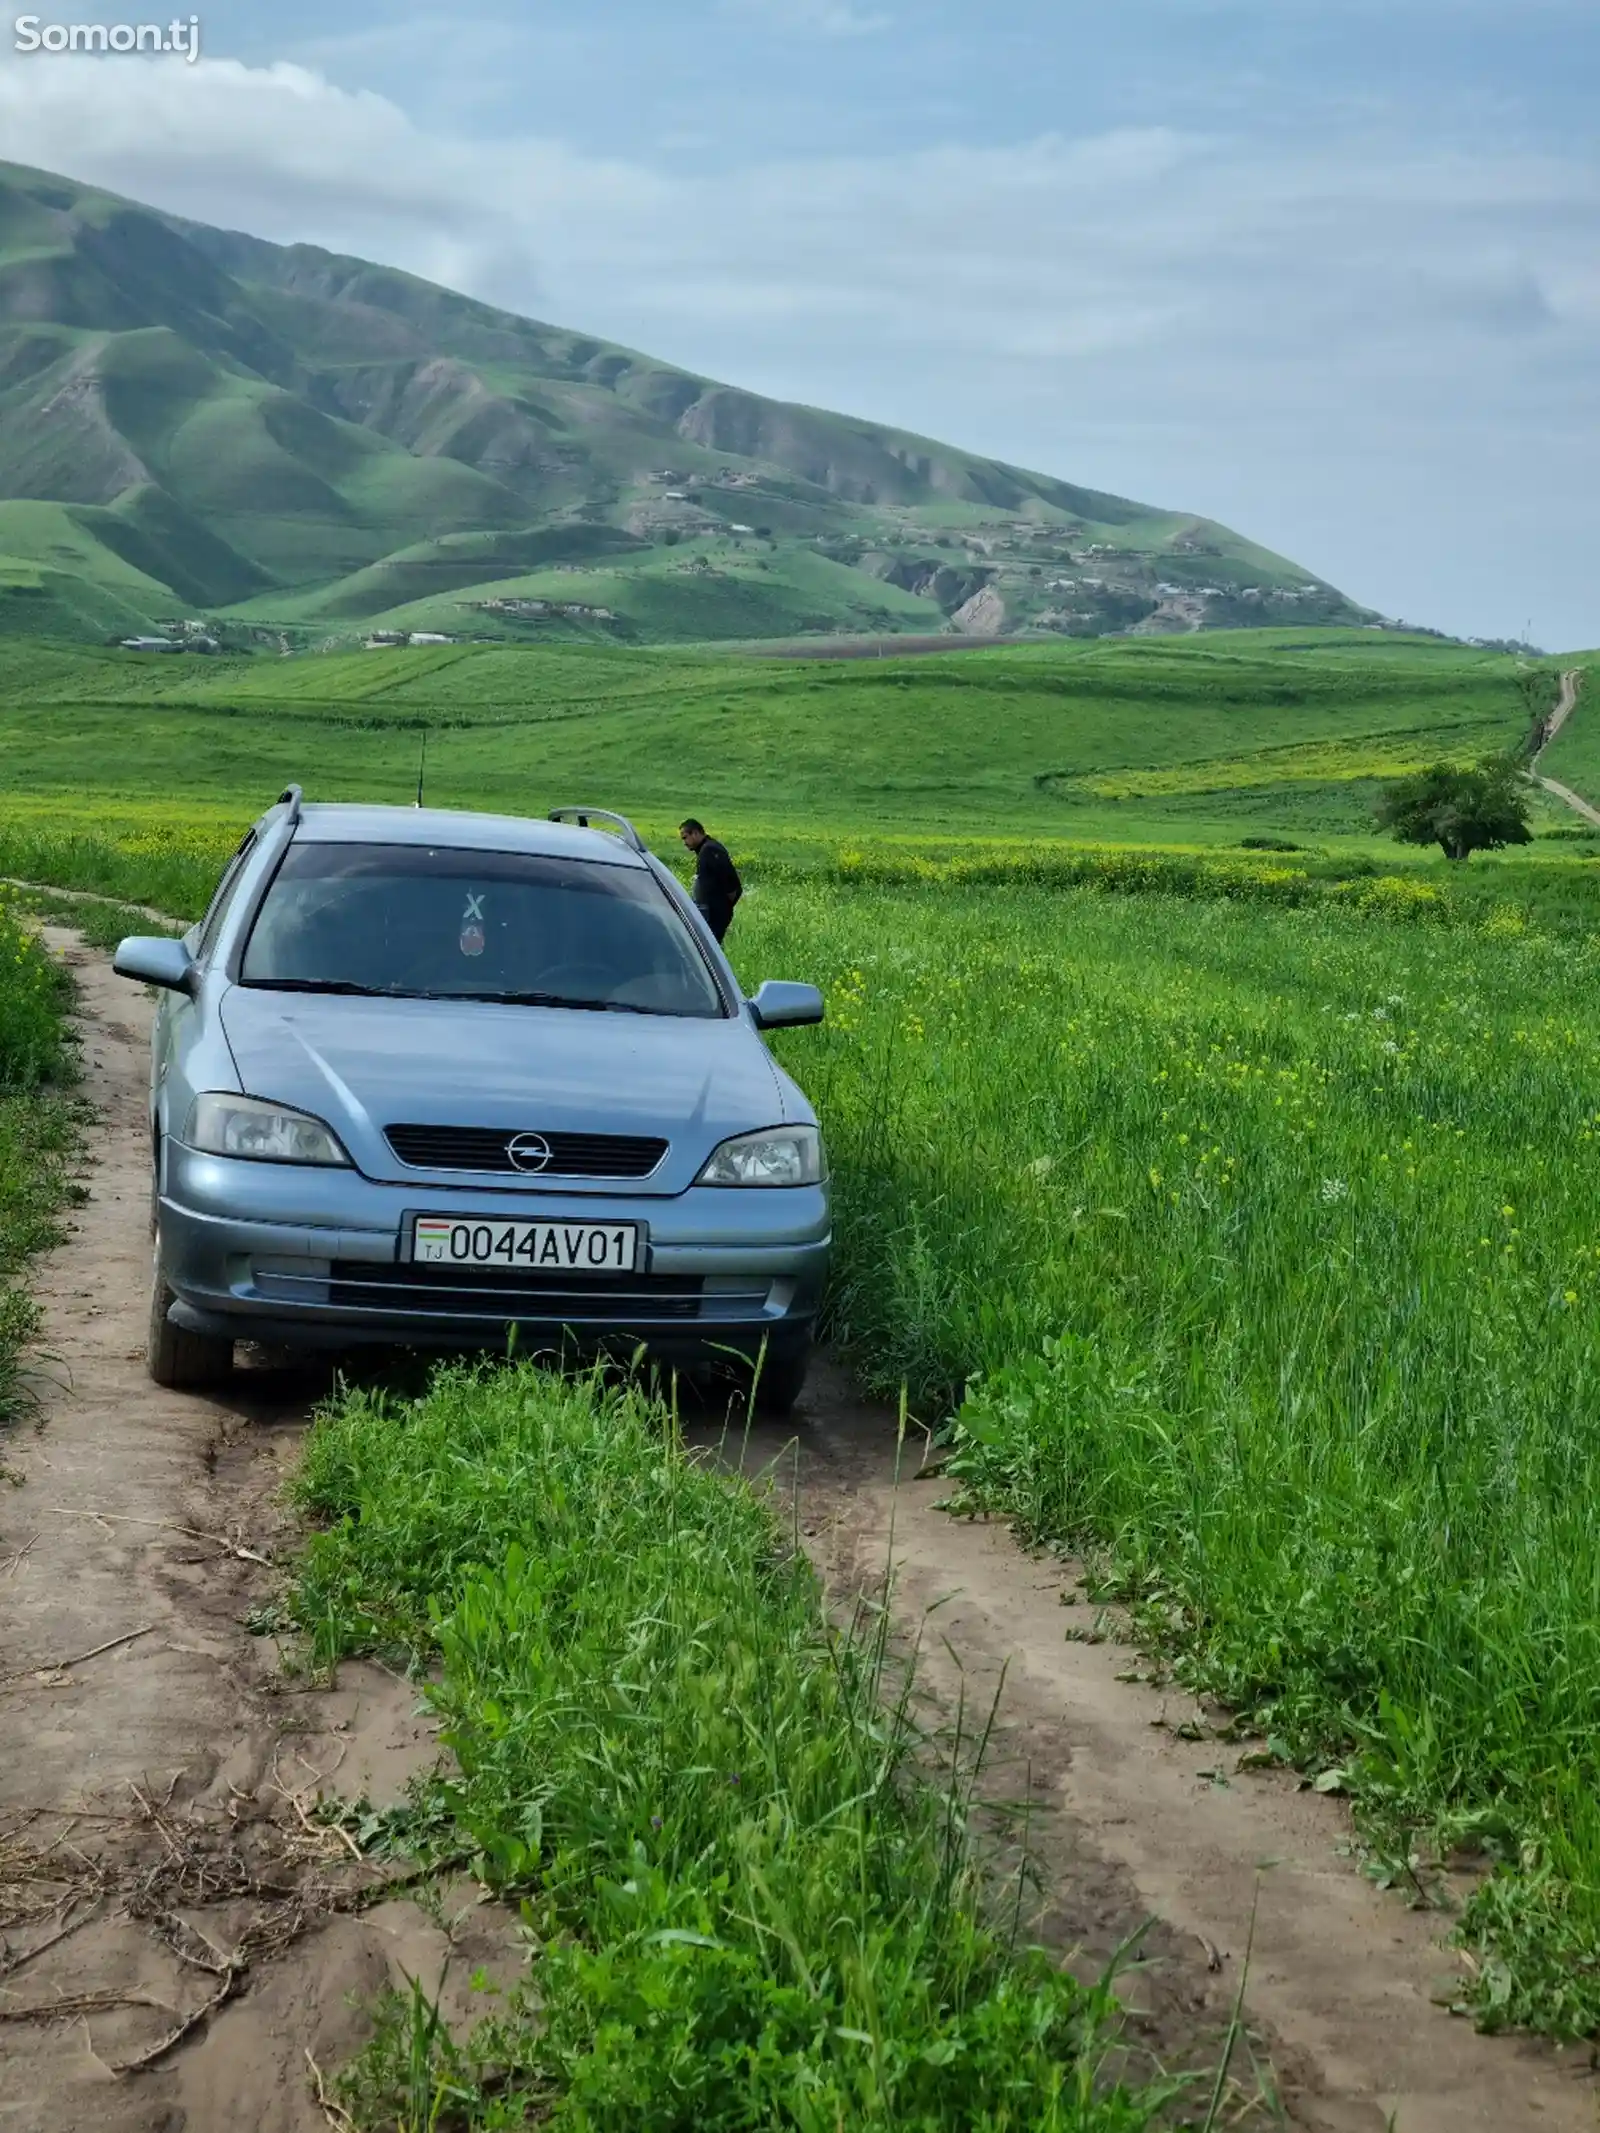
(781, 1380)
(180, 1360)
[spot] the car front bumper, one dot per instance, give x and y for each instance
(300, 1256)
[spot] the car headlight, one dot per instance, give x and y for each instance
(781, 1155)
(261, 1132)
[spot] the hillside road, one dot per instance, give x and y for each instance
(1566, 704)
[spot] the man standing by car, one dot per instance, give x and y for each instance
(717, 887)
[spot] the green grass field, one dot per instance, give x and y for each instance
(1263, 1246)
(1203, 740)
(1238, 1203)
(747, 1903)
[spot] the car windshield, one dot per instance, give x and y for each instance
(437, 923)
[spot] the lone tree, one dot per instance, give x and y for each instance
(1461, 811)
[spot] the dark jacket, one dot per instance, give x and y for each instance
(717, 887)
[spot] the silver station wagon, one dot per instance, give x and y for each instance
(452, 1080)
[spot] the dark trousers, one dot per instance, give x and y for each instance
(718, 917)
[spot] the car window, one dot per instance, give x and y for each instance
(221, 902)
(452, 924)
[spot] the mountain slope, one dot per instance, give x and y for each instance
(322, 441)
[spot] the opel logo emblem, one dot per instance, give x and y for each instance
(529, 1151)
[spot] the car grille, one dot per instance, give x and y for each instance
(572, 1155)
(566, 1299)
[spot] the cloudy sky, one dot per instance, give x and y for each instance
(1328, 270)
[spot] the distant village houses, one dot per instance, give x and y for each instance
(580, 610)
(190, 636)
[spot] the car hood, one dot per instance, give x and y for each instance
(363, 1064)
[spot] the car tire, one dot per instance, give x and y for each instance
(781, 1381)
(177, 1359)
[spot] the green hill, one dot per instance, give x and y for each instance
(311, 444)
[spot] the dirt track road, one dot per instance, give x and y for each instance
(1566, 704)
(151, 1797)
(147, 1795)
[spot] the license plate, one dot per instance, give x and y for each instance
(530, 1247)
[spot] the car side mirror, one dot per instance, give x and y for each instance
(780, 1006)
(156, 962)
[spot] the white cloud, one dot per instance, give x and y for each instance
(1374, 354)
(282, 152)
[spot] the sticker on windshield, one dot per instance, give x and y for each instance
(472, 937)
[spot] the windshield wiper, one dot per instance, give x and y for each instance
(554, 999)
(339, 985)
(493, 999)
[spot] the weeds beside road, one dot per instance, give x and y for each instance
(170, 859)
(168, 862)
(745, 1904)
(38, 1129)
(1265, 1246)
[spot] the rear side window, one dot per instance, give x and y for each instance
(222, 901)
(435, 922)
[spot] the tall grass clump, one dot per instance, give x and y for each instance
(1258, 1252)
(1120, 870)
(36, 1129)
(745, 1905)
(171, 866)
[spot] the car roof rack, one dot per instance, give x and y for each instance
(583, 815)
(291, 797)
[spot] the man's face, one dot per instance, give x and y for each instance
(693, 838)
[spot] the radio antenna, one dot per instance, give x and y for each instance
(422, 764)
